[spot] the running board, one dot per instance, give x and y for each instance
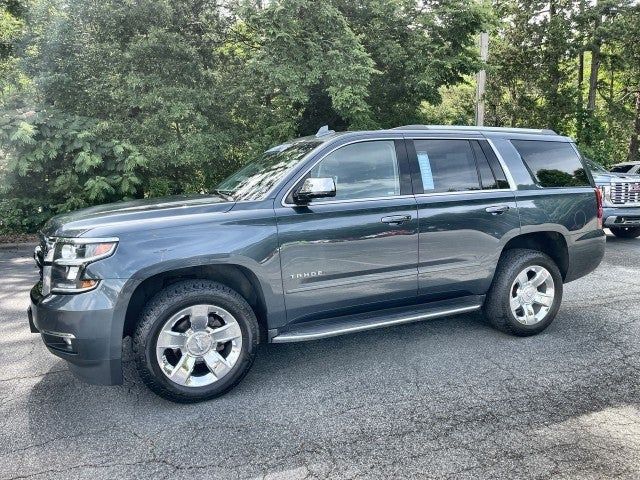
(368, 321)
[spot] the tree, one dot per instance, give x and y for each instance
(154, 97)
(529, 64)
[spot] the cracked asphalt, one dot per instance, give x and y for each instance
(448, 398)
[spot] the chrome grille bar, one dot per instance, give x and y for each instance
(625, 193)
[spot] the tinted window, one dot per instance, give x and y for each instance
(447, 165)
(494, 163)
(362, 170)
(552, 164)
(487, 178)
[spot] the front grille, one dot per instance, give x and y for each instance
(40, 253)
(43, 255)
(625, 193)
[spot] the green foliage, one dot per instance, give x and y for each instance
(536, 79)
(58, 162)
(456, 107)
(155, 97)
(101, 101)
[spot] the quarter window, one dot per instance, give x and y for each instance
(552, 164)
(487, 178)
(362, 170)
(494, 163)
(447, 165)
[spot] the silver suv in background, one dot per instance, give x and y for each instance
(632, 168)
(621, 198)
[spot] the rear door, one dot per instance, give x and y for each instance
(467, 212)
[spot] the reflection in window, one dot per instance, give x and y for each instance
(447, 165)
(254, 180)
(552, 164)
(362, 170)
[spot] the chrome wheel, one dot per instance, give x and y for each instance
(532, 295)
(199, 345)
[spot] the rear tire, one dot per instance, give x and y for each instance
(195, 341)
(514, 303)
(626, 232)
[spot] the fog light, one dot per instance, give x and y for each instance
(65, 342)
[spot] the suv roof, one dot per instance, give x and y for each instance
(464, 128)
(624, 164)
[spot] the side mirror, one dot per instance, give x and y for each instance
(315, 188)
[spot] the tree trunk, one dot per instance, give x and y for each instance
(553, 118)
(580, 78)
(580, 102)
(595, 63)
(634, 144)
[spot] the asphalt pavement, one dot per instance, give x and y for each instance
(448, 398)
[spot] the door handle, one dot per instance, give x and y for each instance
(497, 209)
(396, 219)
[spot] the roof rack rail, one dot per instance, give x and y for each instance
(539, 131)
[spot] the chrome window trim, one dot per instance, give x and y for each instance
(503, 164)
(307, 170)
(463, 192)
(507, 172)
(353, 200)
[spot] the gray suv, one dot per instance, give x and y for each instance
(320, 236)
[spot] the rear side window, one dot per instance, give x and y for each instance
(552, 164)
(447, 165)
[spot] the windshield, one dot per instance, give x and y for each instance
(622, 168)
(254, 180)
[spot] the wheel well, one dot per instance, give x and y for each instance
(551, 243)
(238, 278)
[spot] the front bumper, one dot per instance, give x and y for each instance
(621, 216)
(80, 329)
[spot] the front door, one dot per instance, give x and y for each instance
(359, 250)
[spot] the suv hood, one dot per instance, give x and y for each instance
(604, 178)
(110, 219)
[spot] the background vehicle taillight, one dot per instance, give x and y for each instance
(600, 212)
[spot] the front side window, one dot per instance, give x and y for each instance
(552, 164)
(447, 166)
(254, 180)
(361, 170)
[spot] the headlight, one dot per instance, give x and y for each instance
(69, 260)
(606, 194)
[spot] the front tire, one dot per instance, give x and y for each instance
(525, 294)
(626, 232)
(195, 341)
